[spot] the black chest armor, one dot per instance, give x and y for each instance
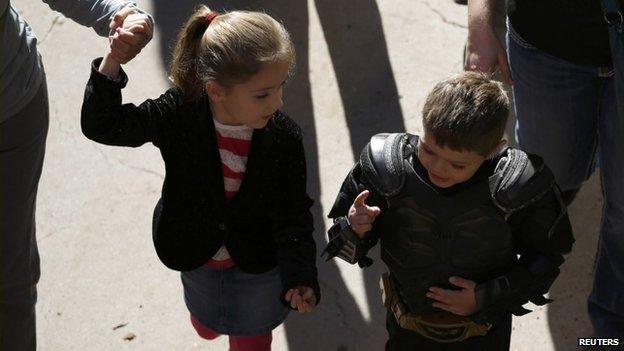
(427, 237)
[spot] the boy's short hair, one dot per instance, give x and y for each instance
(467, 112)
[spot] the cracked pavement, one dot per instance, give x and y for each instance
(101, 280)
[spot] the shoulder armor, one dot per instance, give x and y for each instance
(382, 162)
(519, 179)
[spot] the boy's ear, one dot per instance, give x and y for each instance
(214, 90)
(501, 144)
(498, 147)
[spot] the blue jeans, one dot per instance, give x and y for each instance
(566, 113)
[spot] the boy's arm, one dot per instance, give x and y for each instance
(351, 187)
(543, 235)
(292, 221)
(105, 120)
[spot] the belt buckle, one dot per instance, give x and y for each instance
(444, 334)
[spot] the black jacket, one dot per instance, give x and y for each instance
(267, 223)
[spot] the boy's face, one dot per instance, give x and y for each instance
(446, 167)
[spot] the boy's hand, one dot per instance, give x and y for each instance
(361, 216)
(302, 298)
(132, 31)
(461, 302)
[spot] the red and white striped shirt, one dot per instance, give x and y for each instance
(234, 143)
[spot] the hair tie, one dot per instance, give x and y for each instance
(210, 16)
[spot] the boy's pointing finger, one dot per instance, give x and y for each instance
(360, 200)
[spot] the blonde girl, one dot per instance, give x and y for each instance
(234, 216)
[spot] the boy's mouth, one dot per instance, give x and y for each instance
(267, 117)
(437, 179)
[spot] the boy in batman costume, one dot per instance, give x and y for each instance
(470, 231)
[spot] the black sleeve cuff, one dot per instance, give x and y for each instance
(99, 78)
(314, 285)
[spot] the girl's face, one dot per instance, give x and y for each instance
(253, 102)
(446, 167)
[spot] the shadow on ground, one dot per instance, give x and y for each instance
(567, 315)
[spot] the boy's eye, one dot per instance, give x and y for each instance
(458, 167)
(262, 96)
(426, 150)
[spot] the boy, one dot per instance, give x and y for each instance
(453, 213)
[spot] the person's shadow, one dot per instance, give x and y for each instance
(354, 35)
(567, 315)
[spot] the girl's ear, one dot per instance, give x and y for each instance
(214, 90)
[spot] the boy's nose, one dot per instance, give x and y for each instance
(437, 167)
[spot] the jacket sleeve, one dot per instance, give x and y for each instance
(542, 234)
(106, 120)
(92, 13)
(292, 220)
(351, 187)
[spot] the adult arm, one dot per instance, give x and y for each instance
(484, 52)
(97, 14)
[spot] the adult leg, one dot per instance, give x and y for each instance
(22, 148)
(556, 104)
(606, 301)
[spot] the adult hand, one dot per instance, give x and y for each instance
(361, 216)
(132, 31)
(484, 52)
(462, 302)
(302, 298)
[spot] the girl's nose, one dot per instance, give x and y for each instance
(279, 102)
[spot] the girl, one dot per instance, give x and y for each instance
(234, 215)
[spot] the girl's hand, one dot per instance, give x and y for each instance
(302, 298)
(361, 216)
(461, 302)
(131, 32)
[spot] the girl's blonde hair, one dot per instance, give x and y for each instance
(229, 50)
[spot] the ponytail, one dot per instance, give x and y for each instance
(183, 69)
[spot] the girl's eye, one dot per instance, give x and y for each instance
(458, 167)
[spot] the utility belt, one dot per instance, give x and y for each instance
(442, 327)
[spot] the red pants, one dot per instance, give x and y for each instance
(260, 342)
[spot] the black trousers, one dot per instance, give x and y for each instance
(22, 147)
(399, 339)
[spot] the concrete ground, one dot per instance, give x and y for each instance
(364, 67)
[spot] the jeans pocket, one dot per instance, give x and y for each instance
(517, 39)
